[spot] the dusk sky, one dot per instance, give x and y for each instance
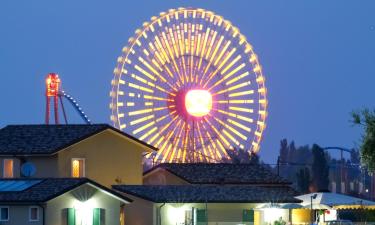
(318, 57)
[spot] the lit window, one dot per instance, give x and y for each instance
(4, 213)
(34, 214)
(8, 168)
(78, 167)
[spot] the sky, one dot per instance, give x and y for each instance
(318, 58)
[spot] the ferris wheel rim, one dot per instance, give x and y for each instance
(139, 32)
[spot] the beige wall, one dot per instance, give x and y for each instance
(56, 208)
(108, 156)
(221, 213)
(19, 215)
(46, 166)
(162, 177)
(139, 212)
(143, 212)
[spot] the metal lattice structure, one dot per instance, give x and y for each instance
(184, 53)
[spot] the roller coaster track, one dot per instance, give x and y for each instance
(75, 105)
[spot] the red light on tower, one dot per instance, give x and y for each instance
(53, 84)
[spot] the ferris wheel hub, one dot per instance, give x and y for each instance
(198, 103)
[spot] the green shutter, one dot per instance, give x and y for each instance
(248, 215)
(201, 215)
(98, 216)
(71, 220)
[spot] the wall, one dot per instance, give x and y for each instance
(139, 212)
(218, 213)
(161, 176)
(56, 208)
(108, 156)
(19, 214)
(301, 216)
(270, 215)
(46, 166)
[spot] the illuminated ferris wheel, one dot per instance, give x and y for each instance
(190, 84)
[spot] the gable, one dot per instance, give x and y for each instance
(109, 139)
(49, 139)
(161, 176)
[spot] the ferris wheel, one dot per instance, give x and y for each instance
(190, 84)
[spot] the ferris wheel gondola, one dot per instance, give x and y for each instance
(191, 85)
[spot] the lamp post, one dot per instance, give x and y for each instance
(311, 207)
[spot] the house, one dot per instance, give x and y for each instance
(59, 201)
(201, 193)
(211, 173)
(97, 151)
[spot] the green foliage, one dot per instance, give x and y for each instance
(366, 119)
(303, 180)
(280, 221)
(239, 156)
(320, 169)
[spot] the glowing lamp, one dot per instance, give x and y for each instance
(198, 102)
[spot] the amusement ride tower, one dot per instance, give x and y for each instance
(55, 92)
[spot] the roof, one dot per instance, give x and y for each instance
(49, 139)
(332, 199)
(222, 173)
(210, 193)
(46, 189)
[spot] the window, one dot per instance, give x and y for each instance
(78, 167)
(4, 213)
(8, 168)
(33, 214)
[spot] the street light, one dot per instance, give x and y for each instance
(311, 206)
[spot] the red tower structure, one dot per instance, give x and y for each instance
(53, 85)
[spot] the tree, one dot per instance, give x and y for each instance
(238, 156)
(283, 150)
(366, 119)
(320, 169)
(303, 180)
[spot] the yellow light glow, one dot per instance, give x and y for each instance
(198, 102)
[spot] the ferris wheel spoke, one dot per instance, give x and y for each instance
(237, 101)
(161, 49)
(233, 72)
(210, 61)
(240, 109)
(144, 62)
(142, 119)
(152, 139)
(187, 50)
(218, 133)
(143, 127)
(227, 57)
(238, 77)
(234, 87)
(139, 87)
(167, 142)
(176, 140)
(202, 143)
(239, 134)
(242, 93)
(144, 72)
(244, 118)
(166, 43)
(240, 125)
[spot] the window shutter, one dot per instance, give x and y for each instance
(201, 215)
(248, 215)
(71, 217)
(98, 216)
